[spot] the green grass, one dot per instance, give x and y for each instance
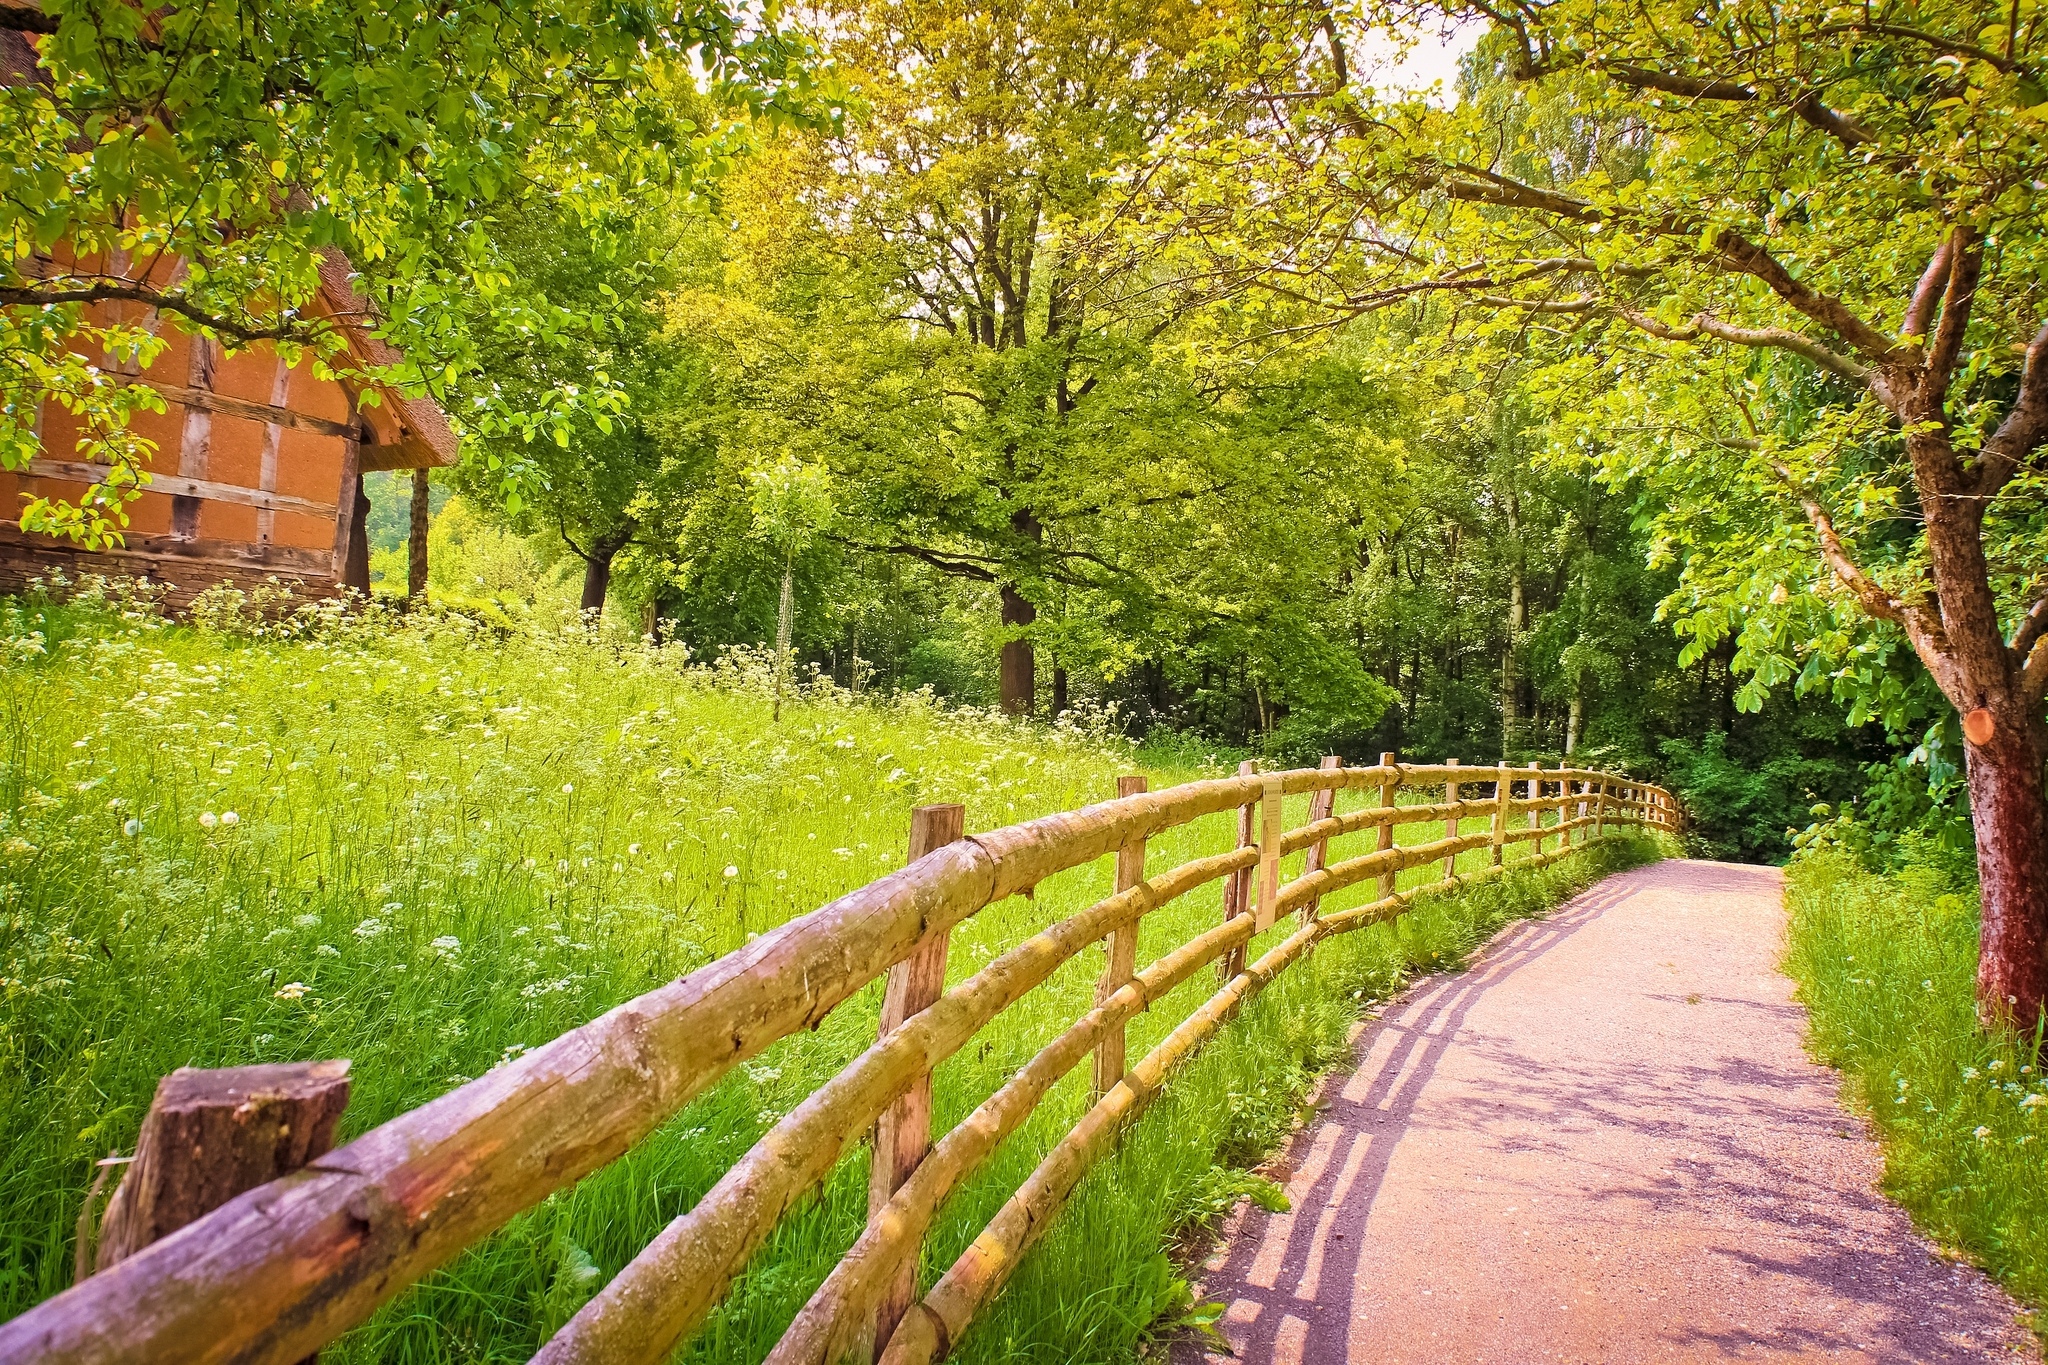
(1887, 968)
(449, 845)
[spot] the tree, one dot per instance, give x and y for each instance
(989, 142)
(200, 162)
(1801, 248)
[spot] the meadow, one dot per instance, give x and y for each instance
(428, 844)
(1887, 969)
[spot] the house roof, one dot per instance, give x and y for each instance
(421, 417)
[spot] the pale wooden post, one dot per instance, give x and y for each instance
(1503, 792)
(1123, 952)
(904, 1132)
(1584, 786)
(1271, 827)
(1536, 812)
(1237, 892)
(1600, 807)
(1451, 822)
(1387, 789)
(1564, 805)
(211, 1135)
(1321, 806)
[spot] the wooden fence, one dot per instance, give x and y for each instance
(281, 1270)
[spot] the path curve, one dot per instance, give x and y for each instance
(1603, 1142)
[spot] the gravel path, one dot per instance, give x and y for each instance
(1603, 1142)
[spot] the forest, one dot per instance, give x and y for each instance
(989, 373)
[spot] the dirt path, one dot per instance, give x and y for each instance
(1602, 1143)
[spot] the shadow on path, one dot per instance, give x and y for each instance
(1600, 1142)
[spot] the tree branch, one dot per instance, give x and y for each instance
(1927, 294)
(16, 296)
(1966, 260)
(1922, 626)
(2024, 428)
(1749, 258)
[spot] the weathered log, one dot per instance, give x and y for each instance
(903, 1134)
(1237, 892)
(1120, 957)
(1272, 822)
(211, 1135)
(1451, 821)
(1321, 808)
(1388, 793)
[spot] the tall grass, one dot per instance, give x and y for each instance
(428, 847)
(1887, 968)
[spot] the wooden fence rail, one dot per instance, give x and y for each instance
(281, 1270)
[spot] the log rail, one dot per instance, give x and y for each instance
(278, 1272)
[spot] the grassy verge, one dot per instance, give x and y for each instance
(1887, 968)
(428, 846)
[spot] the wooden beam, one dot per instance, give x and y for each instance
(205, 400)
(904, 1132)
(79, 471)
(1121, 948)
(210, 1135)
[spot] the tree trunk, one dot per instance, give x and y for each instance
(1576, 717)
(1059, 690)
(2009, 808)
(1019, 667)
(1518, 620)
(597, 578)
(1019, 664)
(416, 539)
(2004, 738)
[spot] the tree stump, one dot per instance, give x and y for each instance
(211, 1135)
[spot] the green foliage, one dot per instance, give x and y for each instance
(1887, 969)
(202, 162)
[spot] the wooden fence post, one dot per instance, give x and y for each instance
(1564, 806)
(1536, 812)
(1321, 806)
(1451, 822)
(1272, 825)
(211, 1135)
(1122, 952)
(1387, 789)
(904, 1132)
(1503, 792)
(1237, 892)
(1579, 812)
(1600, 806)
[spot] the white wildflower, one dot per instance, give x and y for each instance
(207, 819)
(291, 990)
(731, 871)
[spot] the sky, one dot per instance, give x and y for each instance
(1433, 60)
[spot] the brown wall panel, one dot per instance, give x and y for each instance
(304, 532)
(309, 465)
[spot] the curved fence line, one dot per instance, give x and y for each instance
(283, 1269)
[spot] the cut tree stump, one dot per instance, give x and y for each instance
(211, 1135)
